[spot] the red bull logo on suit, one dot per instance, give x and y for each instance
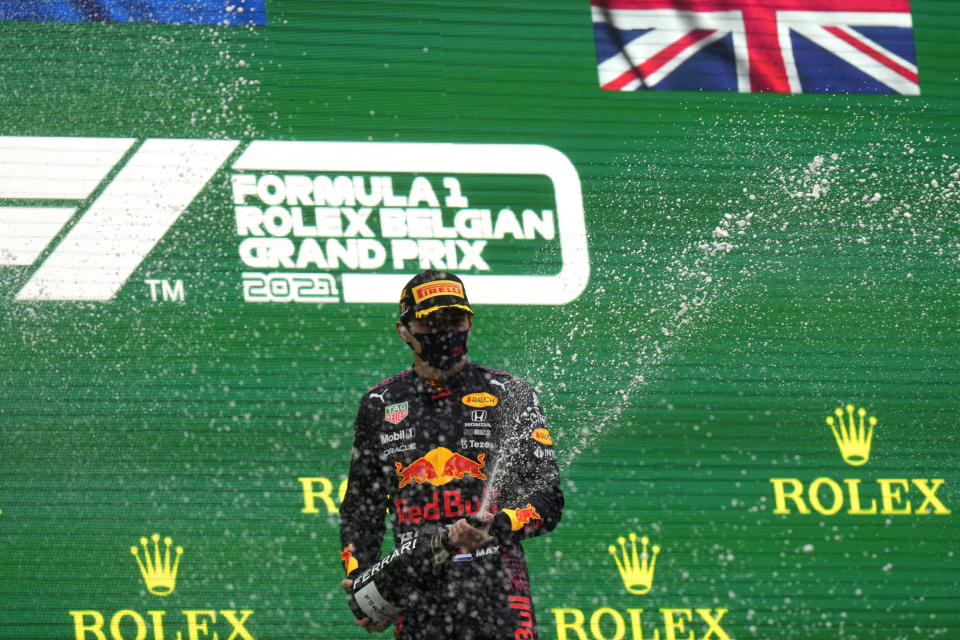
(439, 467)
(451, 504)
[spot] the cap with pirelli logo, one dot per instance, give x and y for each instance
(429, 291)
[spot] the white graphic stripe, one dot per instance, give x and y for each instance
(56, 168)
(128, 219)
(26, 231)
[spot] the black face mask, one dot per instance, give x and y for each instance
(442, 350)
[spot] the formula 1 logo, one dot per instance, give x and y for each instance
(316, 222)
(118, 229)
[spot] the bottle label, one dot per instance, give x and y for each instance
(372, 603)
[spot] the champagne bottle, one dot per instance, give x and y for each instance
(381, 592)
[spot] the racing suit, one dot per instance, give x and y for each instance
(430, 452)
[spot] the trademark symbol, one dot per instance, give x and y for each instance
(166, 290)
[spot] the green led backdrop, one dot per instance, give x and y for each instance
(204, 229)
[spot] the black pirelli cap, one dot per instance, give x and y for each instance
(430, 291)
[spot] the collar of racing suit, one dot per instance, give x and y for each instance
(438, 389)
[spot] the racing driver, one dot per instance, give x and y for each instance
(442, 441)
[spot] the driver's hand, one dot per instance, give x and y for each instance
(464, 536)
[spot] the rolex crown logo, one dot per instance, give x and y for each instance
(852, 436)
(636, 570)
(158, 574)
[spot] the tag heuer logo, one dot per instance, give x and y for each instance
(396, 412)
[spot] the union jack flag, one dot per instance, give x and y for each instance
(784, 46)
